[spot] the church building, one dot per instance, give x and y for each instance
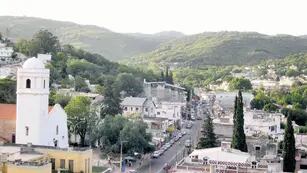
(36, 122)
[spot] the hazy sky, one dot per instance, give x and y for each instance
(187, 16)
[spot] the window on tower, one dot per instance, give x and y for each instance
(57, 130)
(27, 131)
(28, 83)
(44, 83)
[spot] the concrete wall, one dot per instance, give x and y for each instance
(223, 130)
(7, 129)
(11, 168)
(82, 159)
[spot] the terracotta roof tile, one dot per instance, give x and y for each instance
(8, 111)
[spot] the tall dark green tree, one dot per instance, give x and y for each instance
(166, 74)
(162, 78)
(208, 140)
(238, 136)
(78, 116)
(44, 42)
(289, 147)
(111, 102)
(170, 78)
(127, 83)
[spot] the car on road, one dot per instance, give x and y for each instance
(156, 154)
(198, 118)
(188, 143)
(192, 118)
(189, 125)
(132, 171)
(168, 145)
(172, 141)
(184, 133)
(179, 135)
(164, 148)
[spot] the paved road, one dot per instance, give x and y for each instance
(175, 153)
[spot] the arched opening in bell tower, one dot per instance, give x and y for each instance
(28, 83)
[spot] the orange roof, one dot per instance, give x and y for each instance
(8, 111)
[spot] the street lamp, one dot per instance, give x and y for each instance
(121, 155)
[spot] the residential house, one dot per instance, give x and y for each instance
(42, 159)
(138, 106)
(170, 110)
(221, 159)
(163, 91)
(258, 122)
(157, 127)
(6, 54)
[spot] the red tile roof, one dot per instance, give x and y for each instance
(8, 111)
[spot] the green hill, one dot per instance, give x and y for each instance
(222, 48)
(114, 46)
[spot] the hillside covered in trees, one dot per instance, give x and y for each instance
(70, 67)
(95, 39)
(222, 48)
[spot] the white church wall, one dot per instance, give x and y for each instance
(32, 110)
(58, 126)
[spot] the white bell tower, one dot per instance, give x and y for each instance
(32, 103)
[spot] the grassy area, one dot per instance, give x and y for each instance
(98, 169)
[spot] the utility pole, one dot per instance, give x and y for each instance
(121, 155)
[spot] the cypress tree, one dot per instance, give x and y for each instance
(289, 147)
(234, 132)
(166, 74)
(209, 139)
(162, 76)
(238, 136)
(170, 80)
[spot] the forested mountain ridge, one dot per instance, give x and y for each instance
(112, 45)
(166, 48)
(222, 48)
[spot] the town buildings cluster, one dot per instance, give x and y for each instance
(160, 106)
(263, 137)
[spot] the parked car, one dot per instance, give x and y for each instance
(168, 145)
(164, 148)
(192, 118)
(198, 118)
(179, 134)
(156, 154)
(189, 125)
(183, 133)
(132, 171)
(188, 143)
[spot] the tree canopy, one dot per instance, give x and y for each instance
(240, 84)
(208, 140)
(78, 111)
(127, 83)
(115, 129)
(7, 91)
